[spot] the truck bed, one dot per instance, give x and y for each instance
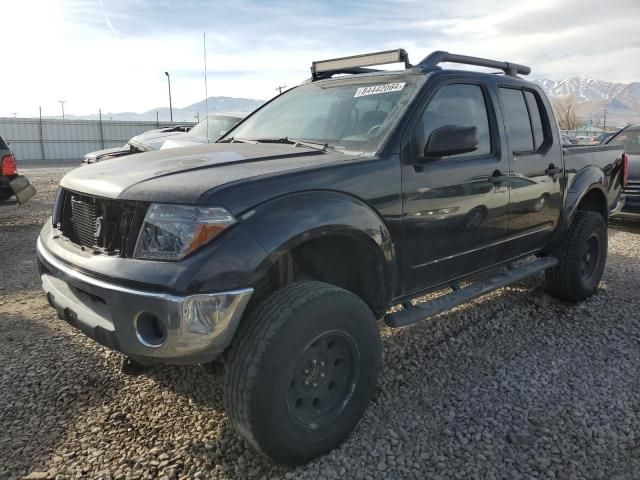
(606, 158)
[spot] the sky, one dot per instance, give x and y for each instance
(112, 54)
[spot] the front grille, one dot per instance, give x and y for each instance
(99, 224)
(83, 220)
(632, 189)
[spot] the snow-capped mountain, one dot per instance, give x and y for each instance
(621, 100)
(585, 89)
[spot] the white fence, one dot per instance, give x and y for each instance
(54, 139)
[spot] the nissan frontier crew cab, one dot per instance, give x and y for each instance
(277, 248)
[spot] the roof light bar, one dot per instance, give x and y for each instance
(354, 63)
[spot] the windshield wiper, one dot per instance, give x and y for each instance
(237, 140)
(295, 142)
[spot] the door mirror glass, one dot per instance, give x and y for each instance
(451, 140)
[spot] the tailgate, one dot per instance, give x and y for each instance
(22, 188)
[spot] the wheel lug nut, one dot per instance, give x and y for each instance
(322, 375)
(306, 371)
(306, 382)
(322, 364)
(315, 385)
(314, 361)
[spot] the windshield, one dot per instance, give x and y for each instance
(218, 126)
(628, 139)
(353, 114)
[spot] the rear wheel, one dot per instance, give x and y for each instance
(582, 257)
(302, 370)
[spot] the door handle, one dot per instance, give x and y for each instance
(552, 170)
(497, 178)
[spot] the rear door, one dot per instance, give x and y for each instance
(455, 208)
(535, 187)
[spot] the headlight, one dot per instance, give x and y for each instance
(171, 232)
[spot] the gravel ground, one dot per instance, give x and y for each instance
(513, 385)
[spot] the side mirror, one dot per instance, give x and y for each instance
(451, 140)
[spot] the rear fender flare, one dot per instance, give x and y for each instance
(586, 180)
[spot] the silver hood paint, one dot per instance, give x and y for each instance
(183, 142)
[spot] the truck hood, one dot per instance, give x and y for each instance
(183, 175)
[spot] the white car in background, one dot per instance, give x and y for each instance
(171, 137)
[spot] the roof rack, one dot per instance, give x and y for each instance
(434, 59)
(356, 63)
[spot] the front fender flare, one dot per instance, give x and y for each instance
(281, 224)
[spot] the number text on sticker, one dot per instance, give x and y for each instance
(376, 89)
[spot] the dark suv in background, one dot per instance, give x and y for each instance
(629, 139)
(10, 182)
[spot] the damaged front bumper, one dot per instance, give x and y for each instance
(147, 326)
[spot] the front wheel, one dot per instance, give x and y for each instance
(582, 256)
(302, 370)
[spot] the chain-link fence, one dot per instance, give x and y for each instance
(55, 139)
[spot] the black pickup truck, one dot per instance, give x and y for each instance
(277, 248)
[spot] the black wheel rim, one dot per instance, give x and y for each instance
(323, 379)
(590, 258)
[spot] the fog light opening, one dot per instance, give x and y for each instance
(150, 330)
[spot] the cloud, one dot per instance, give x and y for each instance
(112, 54)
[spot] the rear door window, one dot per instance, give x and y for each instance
(3, 145)
(536, 118)
(516, 119)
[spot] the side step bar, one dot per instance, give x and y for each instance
(416, 313)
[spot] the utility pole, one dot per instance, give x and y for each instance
(604, 126)
(41, 135)
(206, 88)
(15, 114)
(62, 102)
(101, 129)
(170, 106)
(279, 88)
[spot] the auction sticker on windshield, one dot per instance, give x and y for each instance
(376, 89)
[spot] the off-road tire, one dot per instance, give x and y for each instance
(568, 280)
(265, 363)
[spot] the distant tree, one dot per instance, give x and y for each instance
(566, 114)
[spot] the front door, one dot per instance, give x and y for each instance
(455, 208)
